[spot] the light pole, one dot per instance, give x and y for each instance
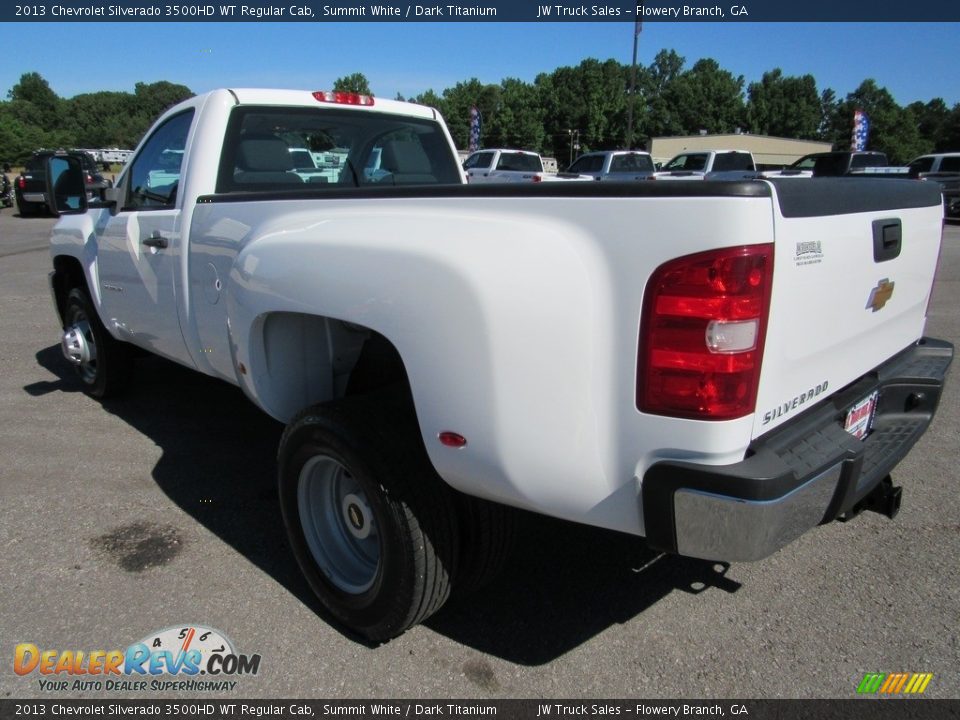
(638, 26)
(574, 143)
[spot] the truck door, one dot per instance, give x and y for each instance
(140, 247)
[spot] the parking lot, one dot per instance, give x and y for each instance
(159, 510)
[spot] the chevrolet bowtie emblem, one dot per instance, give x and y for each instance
(880, 295)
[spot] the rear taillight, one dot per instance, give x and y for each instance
(21, 182)
(89, 179)
(701, 340)
(538, 178)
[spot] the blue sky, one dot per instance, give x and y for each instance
(914, 61)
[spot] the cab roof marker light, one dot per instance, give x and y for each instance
(343, 98)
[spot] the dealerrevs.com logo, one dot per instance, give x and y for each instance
(183, 658)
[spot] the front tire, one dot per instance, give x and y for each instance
(371, 526)
(102, 363)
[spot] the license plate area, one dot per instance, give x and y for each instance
(859, 419)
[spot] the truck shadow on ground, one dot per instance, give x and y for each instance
(565, 583)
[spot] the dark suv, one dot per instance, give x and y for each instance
(30, 187)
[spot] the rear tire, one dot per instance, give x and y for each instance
(371, 525)
(27, 209)
(106, 366)
(487, 534)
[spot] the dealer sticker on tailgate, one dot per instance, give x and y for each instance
(860, 416)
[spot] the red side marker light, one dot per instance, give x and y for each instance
(452, 439)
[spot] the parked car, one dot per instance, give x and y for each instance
(500, 166)
(614, 165)
(31, 185)
(709, 165)
(942, 168)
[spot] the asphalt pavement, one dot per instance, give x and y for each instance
(158, 510)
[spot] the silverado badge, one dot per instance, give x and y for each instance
(880, 294)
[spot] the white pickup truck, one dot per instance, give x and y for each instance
(718, 367)
(614, 165)
(709, 165)
(505, 166)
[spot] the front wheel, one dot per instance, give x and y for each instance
(102, 363)
(370, 524)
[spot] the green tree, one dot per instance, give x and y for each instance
(706, 97)
(155, 98)
(355, 82)
(518, 121)
(32, 97)
(949, 140)
(589, 100)
(107, 119)
(931, 118)
(655, 84)
(784, 106)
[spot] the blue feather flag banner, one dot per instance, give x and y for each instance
(476, 123)
(861, 130)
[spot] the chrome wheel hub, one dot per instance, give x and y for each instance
(80, 348)
(338, 524)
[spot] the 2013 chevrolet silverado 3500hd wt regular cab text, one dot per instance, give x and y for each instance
(718, 367)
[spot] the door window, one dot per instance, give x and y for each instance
(155, 172)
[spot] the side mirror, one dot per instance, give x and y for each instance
(66, 186)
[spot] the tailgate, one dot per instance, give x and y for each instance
(854, 266)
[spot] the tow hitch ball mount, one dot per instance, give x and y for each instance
(885, 499)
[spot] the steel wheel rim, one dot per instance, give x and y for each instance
(87, 368)
(338, 524)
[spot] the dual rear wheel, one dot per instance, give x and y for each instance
(380, 538)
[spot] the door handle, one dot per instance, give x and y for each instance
(156, 241)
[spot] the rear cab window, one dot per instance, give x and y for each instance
(631, 162)
(291, 148)
(725, 162)
(950, 164)
(869, 160)
(519, 162)
(587, 163)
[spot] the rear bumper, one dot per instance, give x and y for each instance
(802, 474)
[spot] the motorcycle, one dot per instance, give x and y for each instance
(6, 188)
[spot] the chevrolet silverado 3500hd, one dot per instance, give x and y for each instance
(718, 367)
